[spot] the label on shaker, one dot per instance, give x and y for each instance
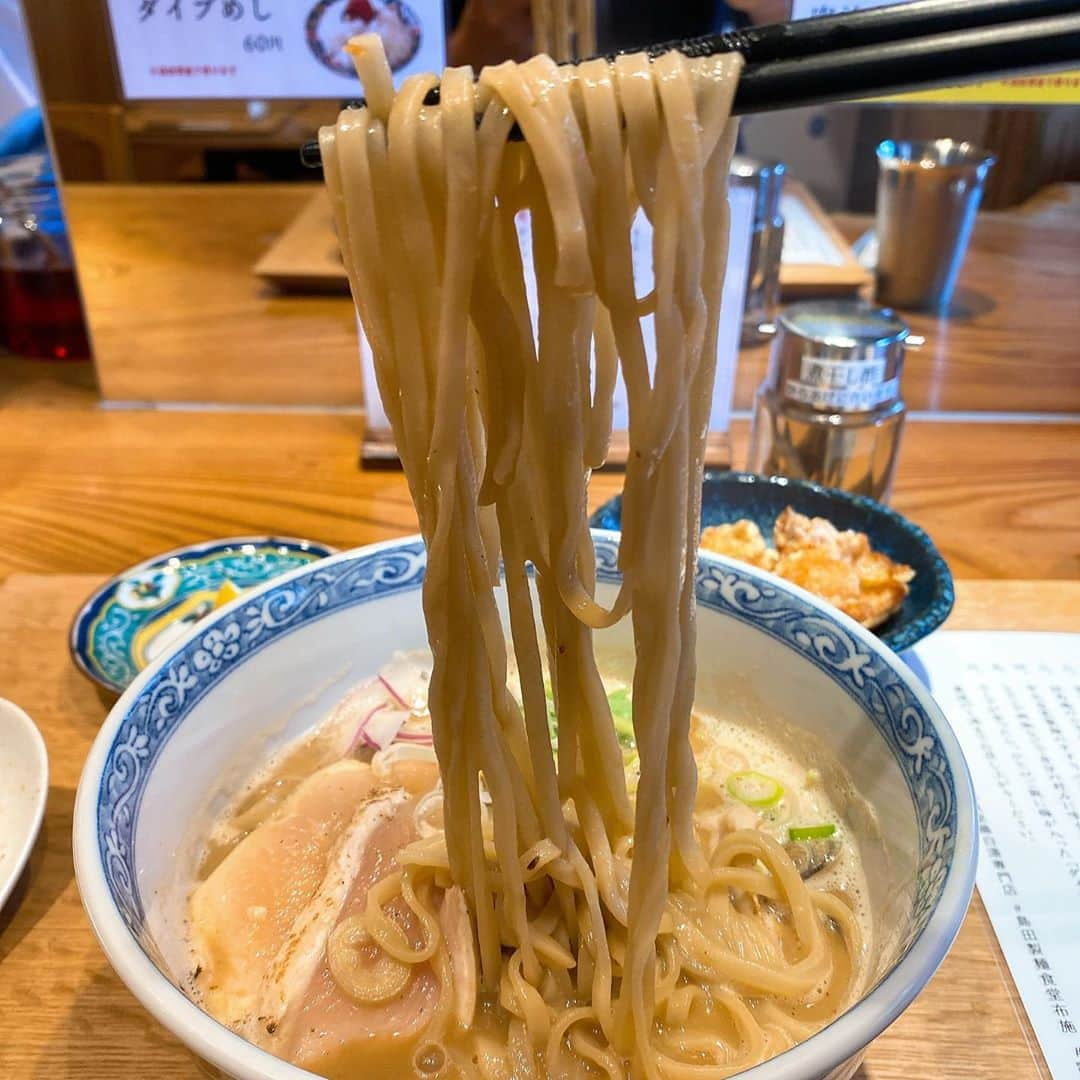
(841, 374)
(851, 385)
(856, 399)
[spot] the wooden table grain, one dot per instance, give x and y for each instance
(178, 315)
(90, 489)
(66, 1015)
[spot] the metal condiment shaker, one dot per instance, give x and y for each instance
(766, 180)
(830, 409)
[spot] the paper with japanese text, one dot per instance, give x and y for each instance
(1013, 700)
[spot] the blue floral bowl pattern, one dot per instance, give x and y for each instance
(729, 496)
(919, 744)
(138, 614)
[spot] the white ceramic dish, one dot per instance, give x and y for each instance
(267, 666)
(24, 787)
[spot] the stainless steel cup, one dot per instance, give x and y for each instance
(766, 180)
(927, 197)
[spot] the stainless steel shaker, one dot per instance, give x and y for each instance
(766, 180)
(830, 408)
(927, 198)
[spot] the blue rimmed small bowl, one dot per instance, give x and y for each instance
(142, 612)
(730, 496)
(263, 669)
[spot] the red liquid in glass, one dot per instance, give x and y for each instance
(41, 314)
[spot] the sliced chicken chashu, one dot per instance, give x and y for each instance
(242, 913)
(304, 1015)
(263, 918)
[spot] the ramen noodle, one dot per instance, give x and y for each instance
(577, 910)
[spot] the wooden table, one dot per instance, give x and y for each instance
(91, 490)
(178, 315)
(87, 490)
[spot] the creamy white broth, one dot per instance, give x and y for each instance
(399, 782)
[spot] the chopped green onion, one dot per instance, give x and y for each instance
(810, 832)
(622, 714)
(755, 789)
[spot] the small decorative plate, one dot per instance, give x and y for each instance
(729, 496)
(140, 613)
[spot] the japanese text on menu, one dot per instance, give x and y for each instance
(1014, 702)
(254, 49)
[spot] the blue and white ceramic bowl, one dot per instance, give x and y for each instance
(267, 666)
(730, 496)
(144, 611)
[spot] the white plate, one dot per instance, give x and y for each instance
(24, 784)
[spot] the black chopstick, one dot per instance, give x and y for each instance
(911, 46)
(915, 64)
(853, 29)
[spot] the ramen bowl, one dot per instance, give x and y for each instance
(268, 666)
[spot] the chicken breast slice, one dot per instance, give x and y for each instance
(242, 913)
(306, 1017)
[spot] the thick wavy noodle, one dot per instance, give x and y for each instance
(617, 935)
(564, 29)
